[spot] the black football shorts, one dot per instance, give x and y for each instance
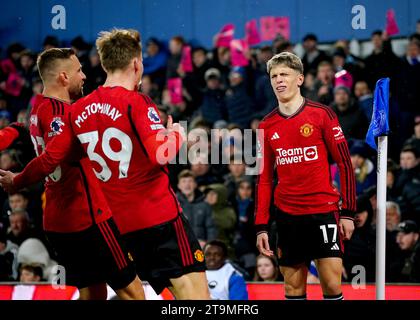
(92, 256)
(165, 252)
(302, 238)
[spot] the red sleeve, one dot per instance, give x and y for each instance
(57, 150)
(337, 146)
(7, 136)
(160, 146)
(264, 184)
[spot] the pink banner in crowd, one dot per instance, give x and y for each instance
(252, 35)
(225, 36)
(267, 27)
(186, 60)
(273, 26)
(238, 50)
(391, 23)
(175, 90)
(283, 26)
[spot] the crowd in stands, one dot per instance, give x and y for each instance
(218, 198)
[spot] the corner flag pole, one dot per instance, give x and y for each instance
(381, 217)
(379, 128)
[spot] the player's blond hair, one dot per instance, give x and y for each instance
(288, 59)
(48, 61)
(117, 48)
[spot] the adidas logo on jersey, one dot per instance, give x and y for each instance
(275, 136)
(335, 247)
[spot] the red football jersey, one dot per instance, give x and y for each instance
(298, 147)
(73, 202)
(114, 126)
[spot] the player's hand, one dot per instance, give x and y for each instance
(263, 245)
(176, 127)
(6, 181)
(346, 228)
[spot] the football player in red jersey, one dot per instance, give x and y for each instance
(312, 217)
(77, 219)
(128, 146)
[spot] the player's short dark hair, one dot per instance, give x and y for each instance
(220, 244)
(116, 48)
(47, 61)
(186, 174)
(288, 59)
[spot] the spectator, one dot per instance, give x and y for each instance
(30, 273)
(213, 107)
(149, 88)
(50, 42)
(154, 62)
(351, 118)
(236, 173)
(175, 47)
(322, 90)
(364, 97)
(200, 64)
(8, 254)
(81, 48)
(267, 269)
(238, 103)
(225, 282)
(415, 138)
(20, 228)
(313, 56)
(382, 62)
(223, 214)
(197, 211)
(32, 251)
(264, 96)
(363, 167)
(393, 216)
(393, 252)
(245, 239)
(95, 74)
(408, 183)
(203, 172)
(360, 249)
(407, 93)
(408, 241)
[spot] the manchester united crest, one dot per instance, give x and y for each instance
(306, 130)
(199, 256)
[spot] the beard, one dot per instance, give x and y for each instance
(76, 93)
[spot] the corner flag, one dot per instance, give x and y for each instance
(379, 125)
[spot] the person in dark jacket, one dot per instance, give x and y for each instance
(313, 56)
(351, 118)
(213, 107)
(197, 211)
(239, 104)
(408, 182)
(360, 249)
(408, 240)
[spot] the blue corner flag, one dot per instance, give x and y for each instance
(379, 125)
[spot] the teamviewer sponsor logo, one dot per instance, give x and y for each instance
(296, 155)
(310, 153)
